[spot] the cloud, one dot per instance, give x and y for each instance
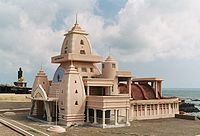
(148, 30)
(141, 31)
(30, 35)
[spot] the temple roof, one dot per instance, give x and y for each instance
(77, 29)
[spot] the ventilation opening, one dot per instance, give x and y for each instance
(84, 69)
(81, 42)
(91, 70)
(82, 52)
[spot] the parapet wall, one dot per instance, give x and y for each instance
(153, 109)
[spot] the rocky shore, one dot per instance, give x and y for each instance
(187, 107)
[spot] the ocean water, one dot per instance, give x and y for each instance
(190, 95)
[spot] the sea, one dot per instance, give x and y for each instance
(190, 95)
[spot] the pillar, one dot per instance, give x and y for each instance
(49, 118)
(169, 107)
(136, 110)
(32, 107)
(88, 90)
(116, 116)
(158, 109)
(129, 87)
(156, 89)
(177, 108)
(95, 116)
(110, 90)
(127, 117)
(145, 110)
(103, 118)
(150, 110)
(87, 120)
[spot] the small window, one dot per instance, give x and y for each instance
(43, 82)
(82, 51)
(102, 65)
(65, 50)
(76, 91)
(113, 65)
(91, 70)
(75, 81)
(84, 69)
(81, 42)
(76, 103)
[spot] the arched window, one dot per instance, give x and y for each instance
(76, 103)
(76, 91)
(81, 42)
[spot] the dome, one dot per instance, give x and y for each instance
(138, 92)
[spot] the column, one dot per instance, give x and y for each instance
(95, 116)
(88, 90)
(46, 104)
(127, 117)
(169, 107)
(158, 109)
(177, 108)
(129, 87)
(110, 90)
(156, 89)
(145, 110)
(160, 85)
(150, 109)
(136, 110)
(103, 118)
(32, 107)
(116, 116)
(87, 120)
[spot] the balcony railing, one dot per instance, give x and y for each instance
(108, 102)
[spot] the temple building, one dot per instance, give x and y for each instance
(81, 93)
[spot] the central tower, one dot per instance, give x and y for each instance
(76, 62)
(76, 48)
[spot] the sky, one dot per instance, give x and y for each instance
(151, 38)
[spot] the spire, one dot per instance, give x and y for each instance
(41, 67)
(76, 18)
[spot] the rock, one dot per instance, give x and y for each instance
(56, 129)
(188, 107)
(9, 113)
